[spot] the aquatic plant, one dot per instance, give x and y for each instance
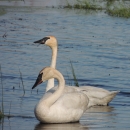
(120, 10)
(68, 78)
(68, 5)
(109, 2)
(2, 102)
(89, 4)
(112, 7)
(84, 4)
(22, 82)
(74, 75)
(10, 108)
(2, 11)
(1, 115)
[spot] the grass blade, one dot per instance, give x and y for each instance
(22, 82)
(74, 76)
(2, 103)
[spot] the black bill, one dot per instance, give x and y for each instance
(38, 81)
(43, 40)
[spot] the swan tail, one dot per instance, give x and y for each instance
(105, 100)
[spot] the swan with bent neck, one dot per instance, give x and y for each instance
(97, 96)
(57, 106)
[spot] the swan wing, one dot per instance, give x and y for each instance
(75, 100)
(97, 96)
(68, 108)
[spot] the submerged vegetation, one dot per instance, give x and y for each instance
(119, 8)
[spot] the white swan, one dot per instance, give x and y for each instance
(57, 106)
(97, 96)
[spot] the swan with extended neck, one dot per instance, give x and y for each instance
(97, 96)
(57, 106)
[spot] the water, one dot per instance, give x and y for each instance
(98, 46)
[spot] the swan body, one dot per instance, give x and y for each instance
(57, 106)
(97, 96)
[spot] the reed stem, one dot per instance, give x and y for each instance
(22, 82)
(74, 75)
(2, 102)
(10, 108)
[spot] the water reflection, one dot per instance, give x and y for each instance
(68, 126)
(100, 109)
(98, 117)
(96, 113)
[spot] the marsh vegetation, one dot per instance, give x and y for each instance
(119, 8)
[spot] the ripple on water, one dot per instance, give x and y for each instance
(93, 42)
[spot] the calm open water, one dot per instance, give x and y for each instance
(98, 46)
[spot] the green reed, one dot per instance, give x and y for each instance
(74, 75)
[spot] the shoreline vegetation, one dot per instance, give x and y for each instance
(118, 8)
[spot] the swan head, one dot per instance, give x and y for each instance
(45, 74)
(50, 41)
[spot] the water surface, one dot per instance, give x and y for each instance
(98, 46)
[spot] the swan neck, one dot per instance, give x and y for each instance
(53, 98)
(54, 57)
(50, 83)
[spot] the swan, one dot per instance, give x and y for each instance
(57, 106)
(97, 96)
